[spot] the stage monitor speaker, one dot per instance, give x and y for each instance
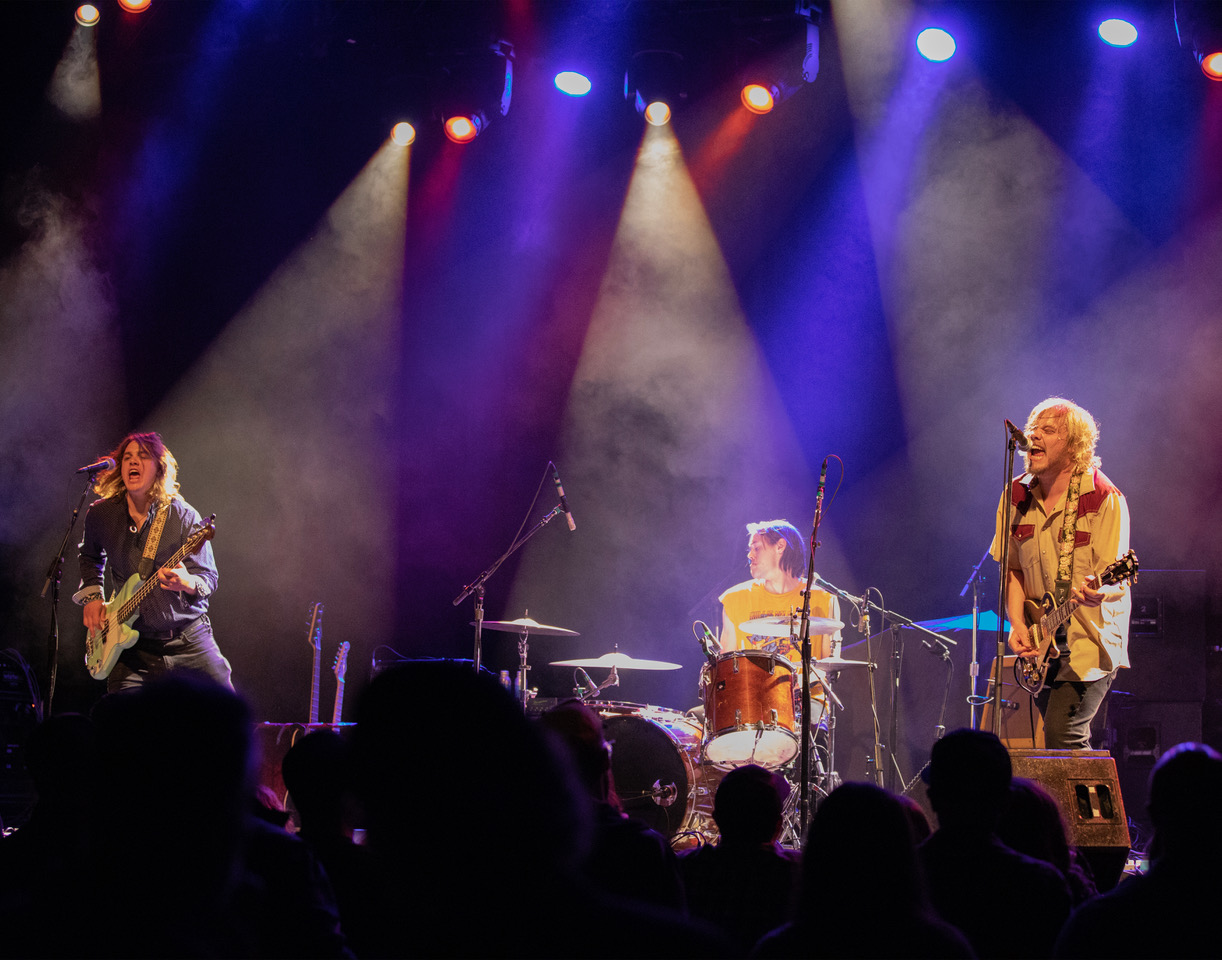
(1085, 786)
(1022, 726)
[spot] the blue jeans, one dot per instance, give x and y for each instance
(193, 649)
(1068, 706)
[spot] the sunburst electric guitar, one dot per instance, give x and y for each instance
(104, 645)
(314, 637)
(1045, 618)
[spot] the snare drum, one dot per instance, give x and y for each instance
(655, 760)
(749, 709)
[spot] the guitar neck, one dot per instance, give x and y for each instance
(338, 713)
(133, 603)
(315, 682)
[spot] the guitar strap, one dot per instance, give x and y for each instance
(1069, 536)
(147, 566)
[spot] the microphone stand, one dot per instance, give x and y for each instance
(1003, 579)
(476, 586)
(54, 572)
(896, 621)
(973, 583)
(804, 634)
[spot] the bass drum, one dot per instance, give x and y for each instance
(655, 760)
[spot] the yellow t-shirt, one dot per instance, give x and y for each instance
(751, 599)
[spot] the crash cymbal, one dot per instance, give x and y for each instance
(620, 660)
(527, 625)
(784, 626)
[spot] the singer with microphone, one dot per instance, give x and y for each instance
(1068, 523)
(140, 503)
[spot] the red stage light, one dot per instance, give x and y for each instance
(1211, 65)
(135, 6)
(462, 129)
(757, 99)
(87, 14)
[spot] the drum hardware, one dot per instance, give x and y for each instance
(524, 626)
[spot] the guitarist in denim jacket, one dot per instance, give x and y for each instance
(173, 623)
(1062, 438)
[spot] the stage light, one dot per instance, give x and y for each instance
(403, 133)
(758, 98)
(657, 113)
(653, 84)
(134, 6)
(1118, 33)
(762, 97)
(1199, 29)
(87, 14)
(573, 83)
(935, 44)
(474, 87)
(464, 129)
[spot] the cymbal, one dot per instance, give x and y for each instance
(620, 660)
(835, 663)
(785, 626)
(527, 625)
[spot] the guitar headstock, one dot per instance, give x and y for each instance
(1123, 569)
(314, 637)
(341, 661)
(205, 531)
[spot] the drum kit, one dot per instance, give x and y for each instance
(668, 763)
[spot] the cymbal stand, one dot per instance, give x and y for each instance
(476, 586)
(973, 584)
(804, 634)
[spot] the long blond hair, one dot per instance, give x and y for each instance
(165, 488)
(1081, 430)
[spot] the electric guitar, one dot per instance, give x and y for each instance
(314, 639)
(341, 669)
(1045, 618)
(104, 645)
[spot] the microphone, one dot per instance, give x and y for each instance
(1019, 438)
(106, 463)
(564, 503)
(708, 642)
(590, 685)
(822, 483)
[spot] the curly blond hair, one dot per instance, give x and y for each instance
(110, 482)
(1081, 430)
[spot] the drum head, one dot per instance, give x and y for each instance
(651, 776)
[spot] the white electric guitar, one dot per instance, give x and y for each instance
(104, 645)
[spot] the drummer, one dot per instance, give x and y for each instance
(776, 555)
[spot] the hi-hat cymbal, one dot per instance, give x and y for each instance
(527, 625)
(620, 660)
(785, 626)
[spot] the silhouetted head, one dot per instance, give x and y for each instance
(860, 850)
(451, 772)
(318, 773)
(580, 729)
(969, 779)
(1032, 823)
(748, 805)
(1185, 796)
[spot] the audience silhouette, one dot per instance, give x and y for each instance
(1033, 823)
(745, 884)
(626, 856)
(1170, 911)
(862, 893)
(1006, 903)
